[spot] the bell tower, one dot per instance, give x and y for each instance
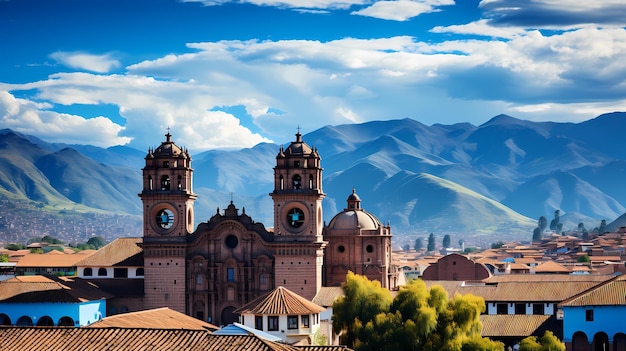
(168, 218)
(298, 218)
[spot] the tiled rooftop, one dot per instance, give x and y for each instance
(280, 301)
(49, 289)
(122, 339)
(53, 259)
(499, 325)
(328, 295)
(159, 318)
(121, 251)
(611, 293)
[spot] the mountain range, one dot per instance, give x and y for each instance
(479, 183)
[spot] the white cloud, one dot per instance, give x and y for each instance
(94, 63)
(350, 80)
(481, 27)
(401, 10)
(297, 4)
(36, 119)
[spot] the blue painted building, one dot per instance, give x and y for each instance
(50, 301)
(594, 319)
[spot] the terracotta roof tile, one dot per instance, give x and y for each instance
(278, 302)
(551, 267)
(121, 251)
(611, 293)
(328, 295)
(160, 318)
(49, 289)
(122, 339)
(498, 325)
(54, 260)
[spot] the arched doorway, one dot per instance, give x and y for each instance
(24, 321)
(45, 321)
(600, 342)
(4, 319)
(66, 322)
(228, 317)
(198, 310)
(580, 342)
(619, 342)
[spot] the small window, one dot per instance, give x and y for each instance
(297, 181)
(102, 272)
(88, 272)
(199, 279)
(258, 322)
(296, 163)
(120, 272)
(341, 248)
(139, 272)
(292, 322)
(538, 309)
(272, 323)
(520, 308)
(369, 248)
(502, 308)
(305, 320)
(230, 274)
(165, 182)
(231, 241)
(166, 164)
(589, 315)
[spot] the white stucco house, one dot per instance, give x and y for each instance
(283, 313)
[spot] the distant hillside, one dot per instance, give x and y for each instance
(489, 181)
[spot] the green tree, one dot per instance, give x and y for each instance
(497, 245)
(431, 243)
(363, 300)
(556, 224)
(542, 223)
(418, 318)
(584, 258)
(14, 247)
(602, 227)
(4, 258)
(418, 244)
(446, 241)
(96, 242)
(547, 342)
(51, 240)
(537, 234)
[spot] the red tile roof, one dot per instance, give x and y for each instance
(278, 302)
(159, 318)
(49, 289)
(611, 293)
(121, 251)
(122, 339)
(499, 325)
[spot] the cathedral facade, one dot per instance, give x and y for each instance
(210, 271)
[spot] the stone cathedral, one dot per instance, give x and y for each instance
(209, 271)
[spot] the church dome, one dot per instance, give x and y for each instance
(298, 147)
(354, 217)
(168, 148)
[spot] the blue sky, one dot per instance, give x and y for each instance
(223, 74)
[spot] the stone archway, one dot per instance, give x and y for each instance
(228, 317)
